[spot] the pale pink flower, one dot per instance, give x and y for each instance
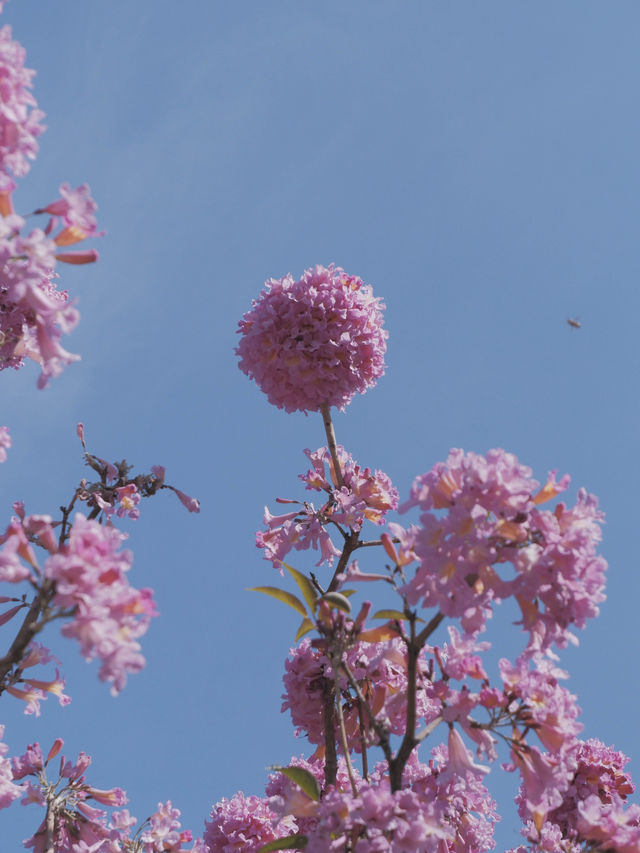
(313, 341)
(77, 209)
(109, 614)
(244, 824)
(9, 791)
(192, 504)
(20, 119)
(5, 441)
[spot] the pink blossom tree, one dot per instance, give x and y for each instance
(396, 699)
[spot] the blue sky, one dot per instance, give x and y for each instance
(477, 164)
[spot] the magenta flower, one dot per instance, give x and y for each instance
(313, 341)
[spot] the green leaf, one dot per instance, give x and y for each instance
(306, 587)
(287, 843)
(305, 626)
(390, 614)
(337, 599)
(282, 595)
(393, 614)
(306, 780)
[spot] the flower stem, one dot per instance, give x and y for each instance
(331, 442)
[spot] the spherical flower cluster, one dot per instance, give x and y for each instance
(109, 614)
(379, 669)
(20, 119)
(480, 512)
(244, 824)
(313, 341)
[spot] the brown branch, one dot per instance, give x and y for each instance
(331, 758)
(409, 741)
(31, 625)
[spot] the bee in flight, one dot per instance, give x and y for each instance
(574, 323)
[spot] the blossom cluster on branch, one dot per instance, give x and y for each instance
(390, 683)
(69, 568)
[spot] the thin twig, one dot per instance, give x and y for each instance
(378, 727)
(343, 733)
(331, 758)
(426, 731)
(363, 744)
(428, 630)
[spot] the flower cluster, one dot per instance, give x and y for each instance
(478, 513)
(9, 791)
(592, 806)
(364, 495)
(244, 823)
(73, 822)
(20, 118)
(315, 341)
(109, 615)
(380, 669)
(34, 313)
(443, 808)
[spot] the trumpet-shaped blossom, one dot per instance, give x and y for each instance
(313, 341)
(77, 209)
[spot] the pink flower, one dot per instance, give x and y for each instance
(9, 791)
(313, 341)
(77, 209)
(19, 116)
(192, 504)
(5, 441)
